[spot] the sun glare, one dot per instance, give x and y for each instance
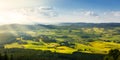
(11, 17)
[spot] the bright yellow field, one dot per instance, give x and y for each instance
(105, 46)
(92, 47)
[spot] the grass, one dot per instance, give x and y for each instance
(13, 45)
(105, 46)
(92, 47)
(65, 49)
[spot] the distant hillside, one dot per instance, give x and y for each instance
(20, 27)
(92, 24)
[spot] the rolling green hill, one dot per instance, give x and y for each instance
(65, 41)
(62, 38)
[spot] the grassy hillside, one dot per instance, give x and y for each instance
(66, 38)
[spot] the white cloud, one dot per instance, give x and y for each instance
(116, 13)
(91, 16)
(90, 13)
(28, 15)
(40, 11)
(51, 15)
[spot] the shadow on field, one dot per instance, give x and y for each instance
(28, 54)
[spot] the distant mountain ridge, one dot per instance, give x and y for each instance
(93, 24)
(53, 26)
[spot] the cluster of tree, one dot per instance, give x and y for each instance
(25, 36)
(21, 42)
(113, 54)
(66, 43)
(45, 38)
(26, 54)
(6, 57)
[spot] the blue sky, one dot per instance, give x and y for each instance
(88, 4)
(58, 11)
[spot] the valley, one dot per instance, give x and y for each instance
(62, 38)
